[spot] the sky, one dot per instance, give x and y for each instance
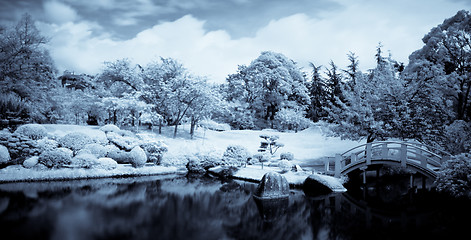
(212, 37)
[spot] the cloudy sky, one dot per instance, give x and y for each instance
(212, 37)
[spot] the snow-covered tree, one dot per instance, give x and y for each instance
(270, 83)
(318, 94)
(447, 49)
(291, 119)
(367, 109)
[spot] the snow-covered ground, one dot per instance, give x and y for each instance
(308, 146)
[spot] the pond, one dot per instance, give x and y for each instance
(176, 207)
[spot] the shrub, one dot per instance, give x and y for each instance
(13, 107)
(75, 141)
(5, 135)
(84, 160)
(32, 131)
(119, 156)
(122, 142)
(455, 176)
(96, 149)
(287, 156)
(110, 128)
(285, 165)
(202, 161)
(212, 125)
(56, 158)
(457, 138)
(31, 162)
(235, 155)
(105, 163)
(46, 144)
(154, 151)
(262, 157)
(4, 155)
(138, 157)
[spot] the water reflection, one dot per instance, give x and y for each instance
(206, 208)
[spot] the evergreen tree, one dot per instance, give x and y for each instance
(318, 93)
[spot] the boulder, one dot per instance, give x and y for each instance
(31, 162)
(138, 157)
(317, 184)
(273, 185)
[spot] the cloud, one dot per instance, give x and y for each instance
(357, 27)
(58, 12)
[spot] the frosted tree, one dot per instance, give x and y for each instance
(365, 110)
(26, 68)
(448, 49)
(270, 83)
(291, 119)
(318, 94)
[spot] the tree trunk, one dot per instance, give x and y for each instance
(192, 127)
(371, 138)
(175, 130)
(160, 126)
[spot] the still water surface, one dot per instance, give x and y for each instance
(176, 207)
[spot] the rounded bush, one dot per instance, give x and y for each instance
(5, 135)
(56, 157)
(138, 157)
(96, 149)
(75, 141)
(31, 162)
(119, 156)
(32, 131)
(122, 142)
(235, 155)
(287, 156)
(46, 144)
(84, 160)
(285, 165)
(110, 128)
(4, 154)
(155, 151)
(105, 163)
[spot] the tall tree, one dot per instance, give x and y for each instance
(318, 93)
(448, 48)
(270, 83)
(25, 64)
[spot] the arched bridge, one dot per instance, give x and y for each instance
(413, 156)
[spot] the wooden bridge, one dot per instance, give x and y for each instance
(412, 156)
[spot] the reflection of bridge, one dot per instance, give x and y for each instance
(375, 216)
(412, 156)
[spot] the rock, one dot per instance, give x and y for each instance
(31, 162)
(297, 168)
(4, 154)
(317, 184)
(273, 185)
(138, 157)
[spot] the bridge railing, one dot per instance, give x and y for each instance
(402, 152)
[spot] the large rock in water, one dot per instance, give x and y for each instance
(272, 186)
(317, 184)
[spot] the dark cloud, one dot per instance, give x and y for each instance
(125, 18)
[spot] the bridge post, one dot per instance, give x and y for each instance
(403, 155)
(384, 150)
(368, 154)
(326, 165)
(338, 166)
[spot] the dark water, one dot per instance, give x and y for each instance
(206, 208)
